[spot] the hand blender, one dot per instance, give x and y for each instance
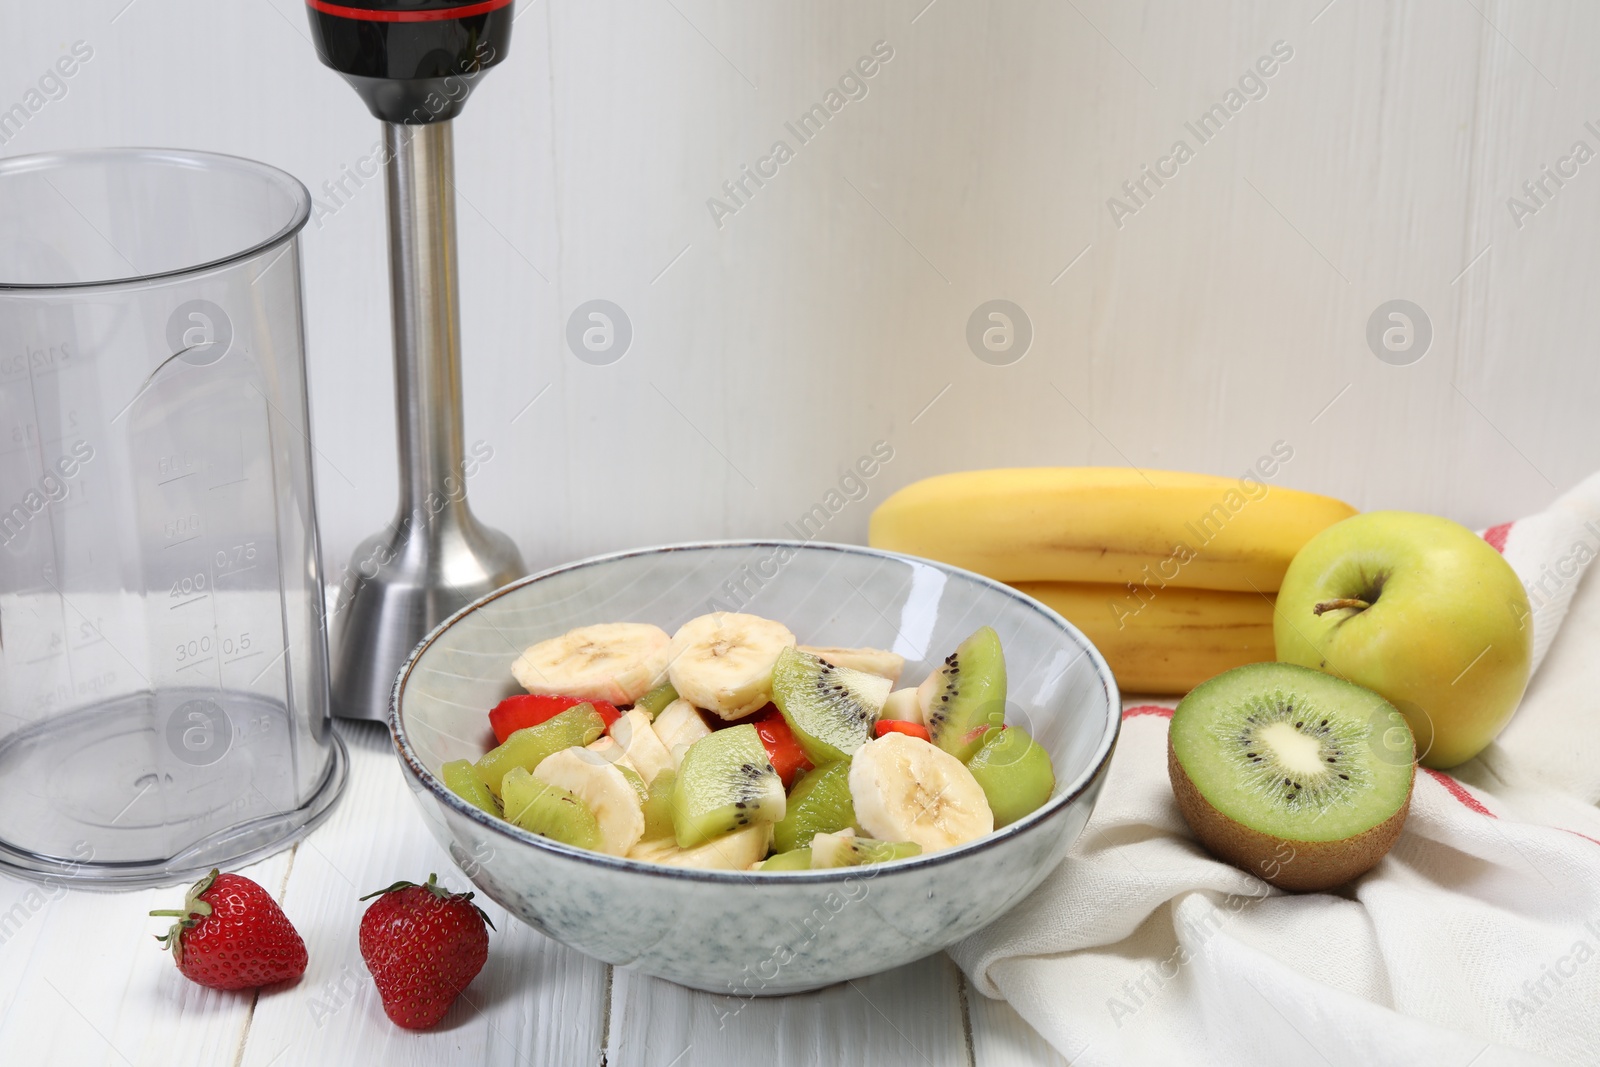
(414, 62)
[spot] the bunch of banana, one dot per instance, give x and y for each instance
(1171, 575)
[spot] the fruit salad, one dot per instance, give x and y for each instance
(730, 746)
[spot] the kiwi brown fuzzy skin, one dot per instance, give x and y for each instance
(1297, 866)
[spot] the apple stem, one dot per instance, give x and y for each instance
(1343, 602)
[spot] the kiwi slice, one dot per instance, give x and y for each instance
(819, 804)
(1014, 772)
(658, 807)
(655, 701)
(967, 694)
(725, 783)
(845, 849)
(830, 709)
(460, 778)
(1296, 776)
(527, 748)
(795, 860)
(549, 811)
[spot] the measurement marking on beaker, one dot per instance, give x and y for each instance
(230, 572)
(196, 663)
(240, 659)
(177, 478)
(46, 658)
(185, 541)
(186, 603)
(224, 485)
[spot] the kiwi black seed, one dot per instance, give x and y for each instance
(1282, 771)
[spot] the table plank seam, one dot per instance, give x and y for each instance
(605, 1018)
(966, 1016)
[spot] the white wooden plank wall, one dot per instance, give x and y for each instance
(1227, 313)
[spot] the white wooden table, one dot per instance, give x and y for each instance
(83, 982)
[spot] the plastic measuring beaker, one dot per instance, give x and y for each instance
(163, 655)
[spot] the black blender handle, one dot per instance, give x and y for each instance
(412, 61)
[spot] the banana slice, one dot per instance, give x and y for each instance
(678, 726)
(870, 660)
(905, 789)
(730, 852)
(902, 704)
(604, 789)
(605, 746)
(641, 745)
(613, 661)
(723, 661)
(831, 850)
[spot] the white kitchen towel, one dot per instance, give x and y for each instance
(1475, 942)
(1554, 739)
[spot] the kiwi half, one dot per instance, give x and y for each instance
(1296, 776)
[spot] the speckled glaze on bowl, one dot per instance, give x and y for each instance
(738, 932)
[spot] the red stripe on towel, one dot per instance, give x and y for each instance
(1496, 536)
(1147, 709)
(1459, 791)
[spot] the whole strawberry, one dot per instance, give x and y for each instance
(232, 935)
(423, 945)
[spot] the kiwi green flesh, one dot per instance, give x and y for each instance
(549, 811)
(658, 807)
(724, 783)
(1292, 753)
(829, 709)
(819, 804)
(527, 748)
(798, 859)
(970, 696)
(462, 780)
(655, 702)
(1014, 773)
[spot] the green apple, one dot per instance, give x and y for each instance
(1422, 611)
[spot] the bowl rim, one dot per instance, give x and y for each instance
(1110, 732)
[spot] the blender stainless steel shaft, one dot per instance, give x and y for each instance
(435, 557)
(414, 62)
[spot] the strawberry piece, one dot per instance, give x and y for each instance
(785, 753)
(423, 945)
(232, 935)
(900, 726)
(527, 709)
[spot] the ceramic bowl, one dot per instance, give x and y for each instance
(740, 932)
